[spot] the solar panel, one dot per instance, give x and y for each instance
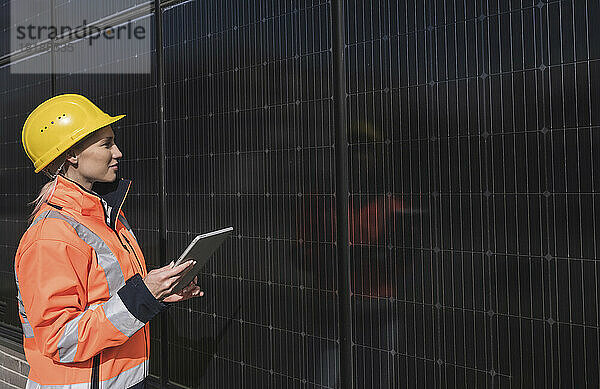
(249, 145)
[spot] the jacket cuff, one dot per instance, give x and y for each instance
(139, 301)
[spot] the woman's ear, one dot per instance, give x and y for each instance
(72, 159)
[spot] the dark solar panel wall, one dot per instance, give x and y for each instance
(488, 110)
(249, 145)
(471, 128)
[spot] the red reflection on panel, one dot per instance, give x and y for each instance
(372, 223)
(367, 222)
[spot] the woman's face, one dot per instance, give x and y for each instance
(96, 159)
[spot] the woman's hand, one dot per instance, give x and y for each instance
(192, 290)
(161, 282)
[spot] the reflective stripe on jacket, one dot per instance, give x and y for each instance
(83, 304)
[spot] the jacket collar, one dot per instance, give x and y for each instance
(72, 196)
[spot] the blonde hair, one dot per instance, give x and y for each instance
(52, 171)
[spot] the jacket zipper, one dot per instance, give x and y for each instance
(141, 271)
(96, 372)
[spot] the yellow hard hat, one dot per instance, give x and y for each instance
(57, 124)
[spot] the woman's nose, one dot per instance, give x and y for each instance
(116, 152)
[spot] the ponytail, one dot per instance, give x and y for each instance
(44, 195)
(48, 189)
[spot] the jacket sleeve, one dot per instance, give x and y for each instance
(52, 280)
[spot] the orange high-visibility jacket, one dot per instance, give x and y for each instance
(83, 304)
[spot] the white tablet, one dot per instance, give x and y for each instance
(200, 250)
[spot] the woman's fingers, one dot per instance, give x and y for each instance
(179, 270)
(197, 292)
(171, 268)
(161, 282)
(193, 283)
(177, 297)
(173, 298)
(192, 292)
(188, 289)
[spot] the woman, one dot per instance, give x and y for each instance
(85, 297)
